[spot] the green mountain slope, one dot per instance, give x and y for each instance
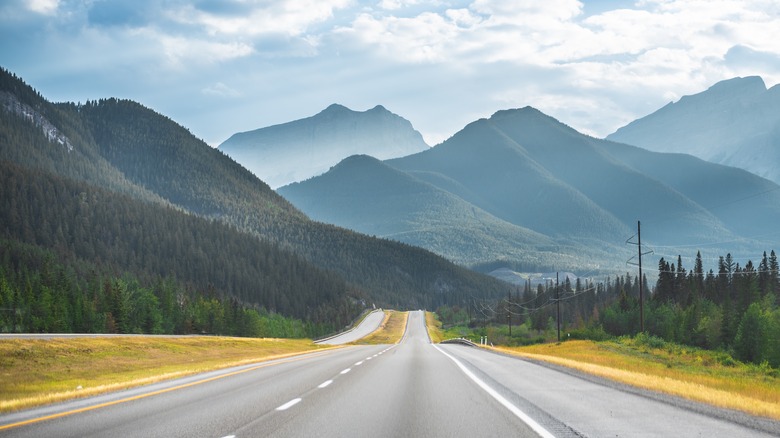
(42, 135)
(364, 194)
(498, 175)
(123, 234)
(584, 163)
(748, 205)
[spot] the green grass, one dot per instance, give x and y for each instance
(35, 371)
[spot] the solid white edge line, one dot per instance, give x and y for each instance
(289, 404)
(325, 383)
(536, 427)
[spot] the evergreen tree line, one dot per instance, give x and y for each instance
(735, 309)
(39, 294)
(81, 222)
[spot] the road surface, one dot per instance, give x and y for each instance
(370, 323)
(410, 389)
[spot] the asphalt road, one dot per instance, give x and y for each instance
(370, 323)
(410, 389)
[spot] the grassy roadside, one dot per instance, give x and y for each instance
(433, 325)
(694, 374)
(35, 372)
(389, 332)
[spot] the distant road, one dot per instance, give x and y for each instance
(410, 389)
(370, 323)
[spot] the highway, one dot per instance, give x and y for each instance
(368, 325)
(413, 388)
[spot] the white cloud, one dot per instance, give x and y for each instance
(288, 17)
(182, 52)
(651, 48)
(45, 7)
(531, 13)
(392, 5)
(440, 63)
(424, 38)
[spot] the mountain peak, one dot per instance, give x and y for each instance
(734, 122)
(526, 112)
(748, 84)
(301, 149)
(336, 108)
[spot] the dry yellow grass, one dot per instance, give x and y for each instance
(433, 325)
(34, 372)
(389, 332)
(670, 373)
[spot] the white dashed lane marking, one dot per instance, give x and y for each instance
(289, 404)
(322, 385)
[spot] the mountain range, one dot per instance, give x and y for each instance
(523, 187)
(140, 194)
(517, 190)
(300, 149)
(735, 122)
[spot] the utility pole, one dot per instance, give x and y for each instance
(508, 309)
(641, 278)
(558, 304)
(641, 292)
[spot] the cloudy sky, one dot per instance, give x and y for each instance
(225, 66)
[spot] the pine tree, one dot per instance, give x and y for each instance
(774, 277)
(749, 344)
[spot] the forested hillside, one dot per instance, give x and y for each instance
(734, 308)
(154, 152)
(114, 185)
(79, 222)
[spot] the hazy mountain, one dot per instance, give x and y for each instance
(366, 195)
(583, 162)
(489, 169)
(523, 187)
(298, 150)
(745, 203)
(539, 173)
(735, 122)
(119, 146)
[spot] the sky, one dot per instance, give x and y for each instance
(224, 66)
